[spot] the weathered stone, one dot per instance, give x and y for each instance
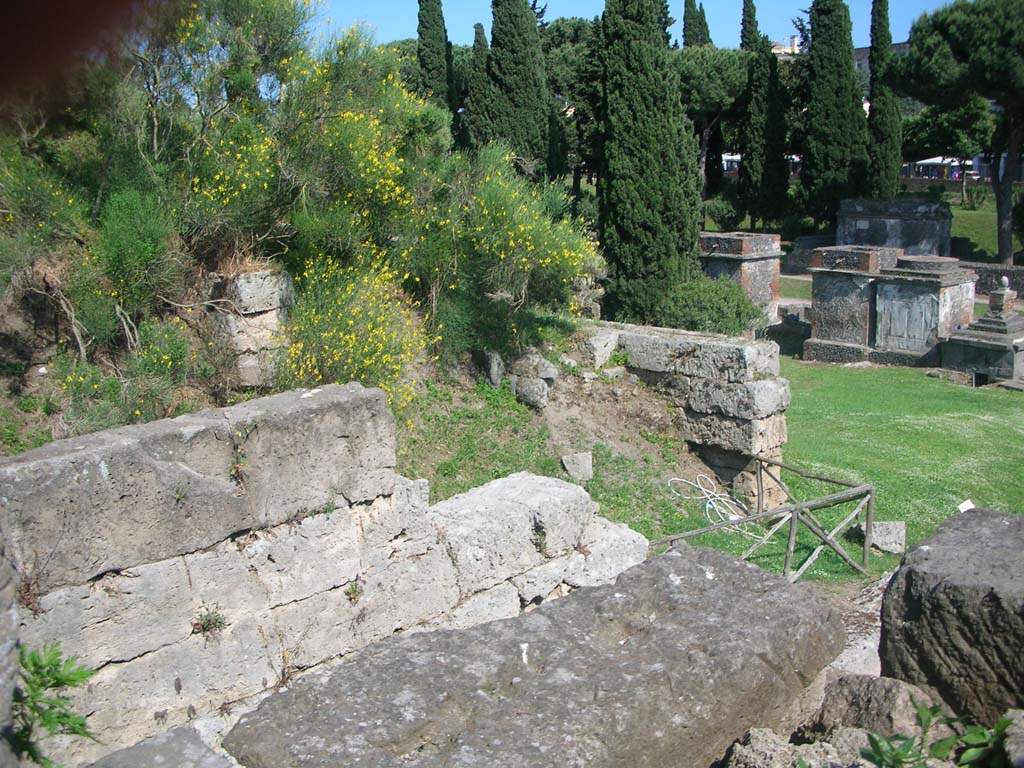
(78, 508)
(531, 391)
(886, 536)
(580, 466)
(679, 657)
(253, 292)
(177, 748)
(599, 345)
(492, 366)
(498, 602)
(860, 258)
(614, 373)
(531, 364)
(694, 354)
(843, 307)
(747, 400)
(762, 748)
(1014, 743)
(749, 437)
(880, 705)
(952, 618)
(918, 226)
(739, 243)
(914, 314)
(799, 258)
(824, 351)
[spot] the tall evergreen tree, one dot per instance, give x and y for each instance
(519, 93)
(433, 52)
(695, 25)
(753, 130)
(775, 184)
(884, 123)
(648, 191)
(539, 11)
(835, 134)
(476, 127)
(750, 37)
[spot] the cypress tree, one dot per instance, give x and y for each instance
(705, 30)
(835, 136)
(775, 184)
(884, 123)
(433, 52)
(753, 131)
(750, 37)
(476, 128)
(648, 191)
(519, 92)
(695, 25)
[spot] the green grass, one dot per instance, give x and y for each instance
(793, 288)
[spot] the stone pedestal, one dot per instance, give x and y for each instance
(251, 311)
(918, 226)
(879, 305)
(992, 348)
(750, 259)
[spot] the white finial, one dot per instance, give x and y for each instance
(1004, 281)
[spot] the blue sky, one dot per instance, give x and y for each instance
(395, 19)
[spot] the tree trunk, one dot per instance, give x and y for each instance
(963, 183)
(705, 140)
(577, 179)
(1003, 186)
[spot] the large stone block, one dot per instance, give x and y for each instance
(747, 400)
(860, 258)
(254, 292)
(78, 508)
(693, 354)
(749, 437)
(678, 658)
(177, 748)
(739, 243)
(9, 665)
(844, 307)
(917, 226)
(953, 615)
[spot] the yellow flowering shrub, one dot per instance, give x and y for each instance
(354, 323)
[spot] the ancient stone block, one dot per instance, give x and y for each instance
(860, 258)
(177, 748)
(799, 258)
(951, 618)
(917, 226)
(824, 351)
(579, 466)
(599, 345)
(749, 437)
(78, 508)
(740, 243)
(9, 665)
(844, 306)
(694, 354)
(747, 400)
(680, 656)
(254, 292)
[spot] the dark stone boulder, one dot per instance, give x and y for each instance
(953, 615)
(178, 748)
(665, 667)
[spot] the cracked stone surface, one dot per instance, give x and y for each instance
(680, 656)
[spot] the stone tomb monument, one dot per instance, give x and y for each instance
(992, 348)
(752, 260)
(880, 305)
(919, 227)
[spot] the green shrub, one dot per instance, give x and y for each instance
(163, 350)
(976, 198)
(724, 213)
(39, 703)
(133, 250)
(709, 306)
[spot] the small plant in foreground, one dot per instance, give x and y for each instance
(209, 621)
(39, 702)
(354, 591)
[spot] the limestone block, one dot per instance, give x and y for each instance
(492, 366)
(114, 500)
(9, 665)
(580, 466)
(177, 748)
(306, 632)
(680, 656)
(254, 292)
(608, 549)
(747, 400)
(498, 602)
(745, 436)
(1014, 744)
(252, 333)
(692, 354)
(886, 536)
(532, 391)
(532, 364)
(511, 525)
(599, 345)
(951, 618)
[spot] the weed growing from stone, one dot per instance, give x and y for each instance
(210, 621)
(354, 591)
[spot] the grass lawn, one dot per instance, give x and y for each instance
(794, 288)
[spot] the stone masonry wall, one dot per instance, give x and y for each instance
(726, 393)
(9, 666)
(201, 561)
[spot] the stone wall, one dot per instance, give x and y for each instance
(726, 394)
(200, 561)
(9, 666)
(989, 276)
(752, 260)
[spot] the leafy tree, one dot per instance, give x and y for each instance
(711, 81)
(695, 25)
(750, 37)
(962, 132)
(975, 49)
(433, 52)
(834, 151)
(648, 193)
(519, 97)
(884, 157)
(476, 125)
